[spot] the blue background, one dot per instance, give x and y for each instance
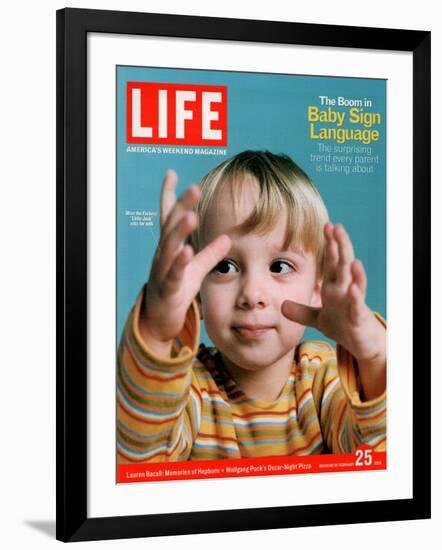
(265, 111)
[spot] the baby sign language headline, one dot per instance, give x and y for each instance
(344, 119)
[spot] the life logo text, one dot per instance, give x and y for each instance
(185, 114)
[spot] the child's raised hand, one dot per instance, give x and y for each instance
(176, 273)
(344, 315)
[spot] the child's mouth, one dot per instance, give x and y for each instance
(252, 332)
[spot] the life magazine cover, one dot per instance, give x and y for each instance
(292, 168)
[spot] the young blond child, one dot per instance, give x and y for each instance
(263, 263)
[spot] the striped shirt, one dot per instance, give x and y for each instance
(188, 407)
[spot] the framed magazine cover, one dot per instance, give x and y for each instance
(140, 93)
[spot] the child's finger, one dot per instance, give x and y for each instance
(209, 256)
(359, 276)
(300, 313)
(357, 303)
(168, 197)
(172, 243)
(184, 204)
(174, 277)
(346, 255)
(331, 253)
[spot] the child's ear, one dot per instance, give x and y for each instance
(316, 300)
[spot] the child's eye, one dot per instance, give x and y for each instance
(281, 267)
(224, 266)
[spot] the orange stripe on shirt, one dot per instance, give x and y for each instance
(264, 413)
(143, 420)
(150, 376)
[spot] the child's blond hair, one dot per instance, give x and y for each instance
(283, 187)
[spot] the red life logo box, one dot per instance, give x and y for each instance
(184, 114)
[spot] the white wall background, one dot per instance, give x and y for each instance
(27, 269)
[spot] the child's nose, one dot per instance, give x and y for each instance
(252, 293)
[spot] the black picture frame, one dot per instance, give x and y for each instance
(73, 26)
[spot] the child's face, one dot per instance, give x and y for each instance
(241, 298)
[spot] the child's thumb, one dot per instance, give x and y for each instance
(300, 313)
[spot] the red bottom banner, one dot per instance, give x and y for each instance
(363, 459)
